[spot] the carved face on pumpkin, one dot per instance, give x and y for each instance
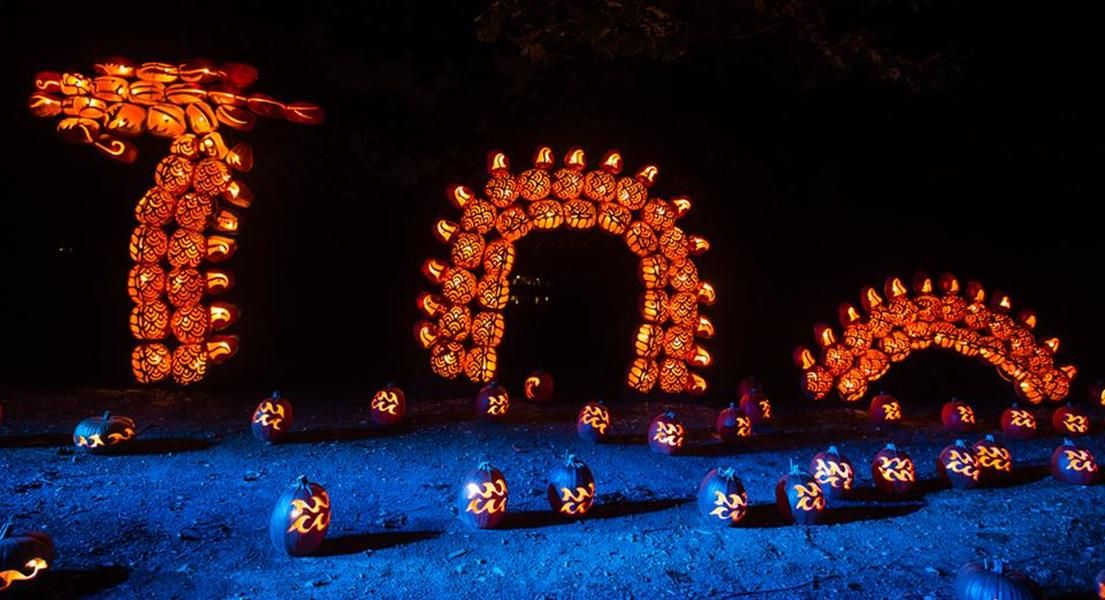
(272, 420)
(103, 434)
(483, 497)
(666, 434)
(300, 519)
(593, 423)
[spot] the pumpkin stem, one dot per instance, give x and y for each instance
(989, 437)
(727, 473)
(5, 529)
(960, 443)
(302, 481)
(995, 565)
(276, 395)
(832, 450)
(891, 446)
(569, 458)
(107, 415)
(1068, 442)
(733, 405)
(483, 466)
(794, 468)
(669, 413)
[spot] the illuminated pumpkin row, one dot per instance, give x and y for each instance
(464, 322)
(187, 218)
(891, 325)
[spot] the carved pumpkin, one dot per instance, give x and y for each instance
(1018, 423)
(799, 497)
(571, 488)
(666, 433)
(538, 386)
(758, 408)
(483, 497)
(957, 465)
(892, 470)
(995, 461)
(1074, 464)
(593, 423)
(389, 405)
(1070, 420)
(957, 417)
(23, 556)
(733, 425)
(833, 472)
(722, 500)
(300, 519)
(272, 420)
(885, 409)
(749, 385)
(1097, 393)
(100, 435)
(492, 402)
(990, 580)
(1100, 584)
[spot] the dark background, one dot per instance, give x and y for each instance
(823, 153)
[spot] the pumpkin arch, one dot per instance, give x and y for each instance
(464, 321)
(940, 313)
(190, 216)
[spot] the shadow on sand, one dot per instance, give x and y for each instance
(65, 584)
(532, 519)
(360, 542)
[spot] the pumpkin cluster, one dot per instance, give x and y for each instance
(464, 322)
(896, 323)
(188, 218)
(482, 501)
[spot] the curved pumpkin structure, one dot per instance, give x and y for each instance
(892, 325)
(464, 316)
(188, 218)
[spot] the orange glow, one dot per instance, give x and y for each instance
(1022, 418)
(35, 565)
(701, 357)
(647, 175)
(612, 162)
(489, 497)
(434, 269)
(1076, 423)
(706, 293)
(444, 230)
(893, 468)
(310, 516)
(497, 163)
(892, 411)
(963, 463)
(221, 347)
(577, 502)
(1081, 460)
(669, 434)
(270, 414)
(597, 417)
(834, 474)
(991, 457)
(460, 195)
(966, 414)
(731, 507)
(809, 498)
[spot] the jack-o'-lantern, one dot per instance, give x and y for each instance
(892, 470)
(455, 323)
(641, 239)
(957, 465)
(538, 386)
(300, 519)
(600, 186)
(1018, 423)
(885, 409)
(272, 419)
(733, 425)
(546, 215)
(1074, 464)
(498, 258)
(674, 376)
(483, 497)
(722, 501)
(478, 217)
(493, 292)
(534, 184)
(666, 433)
(571, 488)
(185, 286)
(191, 324)
(654, 306)
(995, 461)
(513, 223)
(756, 405)
(488, 328)
(389, 405)
(458, 285)
(148, 244)
(833, 472)
(852, 385)
(156, 207)
(642, 374)
(799, 497)
(649, 340)
(150, 321)
(467, 250)
(957, 417)
(146, 282)
(992, 580)
(683, 308)
(678, 343)
(480, 364)
(659, 214)
(653, 272)
(447, 359)
(594, 422)
(151, 363)
(614, 218)
(1097, 393)
(194, 211)
(579, 214)
(23, 555)
(189, 363)
(1071, 421)
(683, 276)
(492, 402)
(101, 435)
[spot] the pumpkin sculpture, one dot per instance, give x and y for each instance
(666, 433)
(1018, 423)
(885, 409)
(483, 497)
(101, 435)
(23, 556)
(389, 405)
(799, 497)
(538, 386)
(593, 423)
(571, 488)
(492, 402)
(957, 465)
(481, 249)
(957, 417)
(1074, 464)
(892, 470)
(995, 461)
(991, 580)
(272, 419)
(1070, 421)
(722, 500)
(300, 519)
(834, 472)
(733, 425)
(758, 408)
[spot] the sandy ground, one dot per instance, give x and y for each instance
(184, 513)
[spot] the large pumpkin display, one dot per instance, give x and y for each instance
(892, 470)
(992, 580)
(666, 433)
(101, 435)
(1074, 464)
(389, 405)
(492, 402)
(23, 555)
(957, 465)
(483, 497)
(799, 497)
(300, 518)
(571, 488)
(834, 472)
(893, 324)
(1018, 423)
(272, 419)
(593, 423)
(186, 219)
(538, 386)
(481, 249)
(1070, 421)
(722, 500)
(995, 461)
(885, 409)
(957, 417)
(733, 425)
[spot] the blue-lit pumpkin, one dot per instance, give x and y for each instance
(892, 470)
(272, 419)
(733, 425)
(101, 435)
(300, 519)
(593, 423)
(758, 408)
(1099, 585)
(991, 580)
(1074, 464)
(957, 465)
(722, 500)
(571, 488)
(492, 402)
(834, 472)
(483, 497)
(666, 433)
(23, 556)
(799, 497)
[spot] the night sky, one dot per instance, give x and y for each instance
(810, 181)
